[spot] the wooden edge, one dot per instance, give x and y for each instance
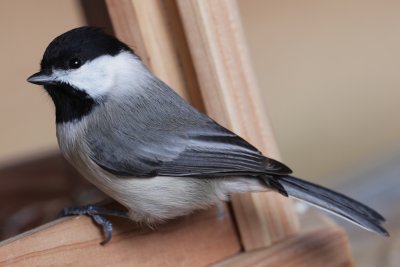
(231, 96)
(195, 240)
(325, 246)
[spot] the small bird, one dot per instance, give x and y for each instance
(139, 142)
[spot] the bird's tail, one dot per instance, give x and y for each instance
(330, 201)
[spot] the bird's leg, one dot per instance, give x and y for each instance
(220, 210)
(97, 214)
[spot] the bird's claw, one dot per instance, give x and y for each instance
(97, 214)
(107, 228)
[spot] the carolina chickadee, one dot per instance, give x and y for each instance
(134, 138)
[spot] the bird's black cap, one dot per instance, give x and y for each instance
(84, 43)
(70, 50)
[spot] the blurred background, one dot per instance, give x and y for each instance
(329, 72)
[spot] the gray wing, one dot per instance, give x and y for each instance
(213, 151)
(206, 151)
(163, 135)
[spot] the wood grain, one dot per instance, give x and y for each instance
(232, 98)
(326, 246)
(196, 240)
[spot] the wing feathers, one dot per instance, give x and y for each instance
(219, 152)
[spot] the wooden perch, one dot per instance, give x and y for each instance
(232, 97)
(192, 241)
(198, 240)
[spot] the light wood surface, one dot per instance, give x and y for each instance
(231, 96)
(326, 246)
(197, 240)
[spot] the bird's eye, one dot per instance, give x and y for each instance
(74, 63)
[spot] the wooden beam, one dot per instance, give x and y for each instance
(326, 246)
(232, 97)
(197, 240)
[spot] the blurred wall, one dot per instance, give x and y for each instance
(328, 70)
(26, 113)
(330, 73)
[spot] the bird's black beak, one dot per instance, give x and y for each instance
(42, 78)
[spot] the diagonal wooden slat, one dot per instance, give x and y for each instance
(231, 96)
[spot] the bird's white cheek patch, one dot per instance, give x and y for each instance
(105, 74)
(93, 77)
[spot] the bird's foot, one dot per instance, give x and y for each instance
(97, 214)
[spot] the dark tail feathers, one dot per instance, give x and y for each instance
(329, 200)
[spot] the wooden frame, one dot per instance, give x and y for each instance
(198, 48)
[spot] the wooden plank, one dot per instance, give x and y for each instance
(326, 246)
(197, 240)
(231, 96)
